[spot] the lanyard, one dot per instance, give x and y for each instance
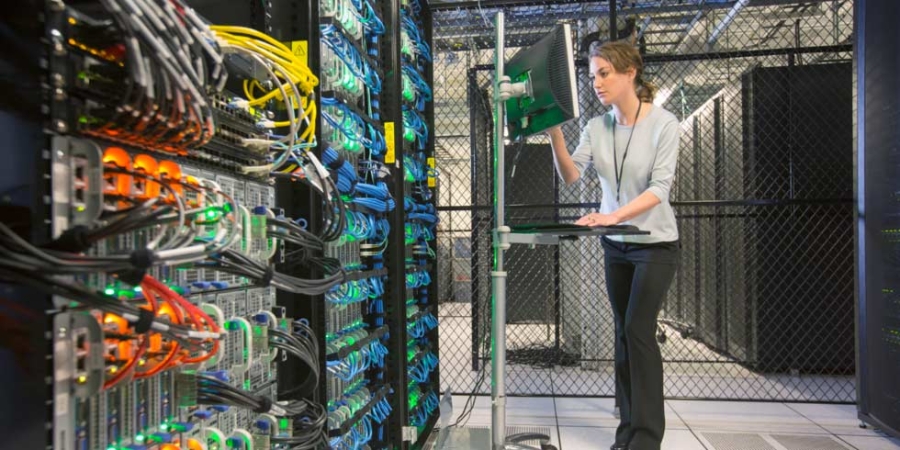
(625, 155)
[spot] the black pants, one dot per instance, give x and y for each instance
(638, 277)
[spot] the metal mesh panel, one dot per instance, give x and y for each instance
(762, 304)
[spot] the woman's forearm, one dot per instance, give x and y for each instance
(643, 203)
(561, 159)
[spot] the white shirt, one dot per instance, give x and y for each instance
(649, 166)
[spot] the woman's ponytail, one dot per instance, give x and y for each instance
(646, 91)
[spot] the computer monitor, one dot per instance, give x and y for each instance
(548, 69)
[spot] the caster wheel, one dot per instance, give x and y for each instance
(548, 447)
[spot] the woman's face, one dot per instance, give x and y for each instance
(610, 86)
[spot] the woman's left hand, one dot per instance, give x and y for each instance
(598, 220)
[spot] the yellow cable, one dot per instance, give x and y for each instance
(290, 66)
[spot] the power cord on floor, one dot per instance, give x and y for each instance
(469, 406)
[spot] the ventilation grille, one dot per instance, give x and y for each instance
(737, 441)
(432, 440)
(749, 441)
(799, 442)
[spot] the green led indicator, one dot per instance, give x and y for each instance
(247, 385)
(109, 291)
(163, 427)
(137, 289)
(284, 424)
(139, 438)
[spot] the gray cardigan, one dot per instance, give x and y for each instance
(650, 166)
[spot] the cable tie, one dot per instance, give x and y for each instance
(144, 322)
(142, 258)
(73, 240)
(266, 279)
(266, 407)
(337, 163)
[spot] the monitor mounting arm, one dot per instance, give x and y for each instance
(507, 89)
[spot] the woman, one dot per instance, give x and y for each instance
(636, 174)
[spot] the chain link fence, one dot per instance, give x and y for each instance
(762, 305)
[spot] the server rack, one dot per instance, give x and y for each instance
(877, 135)
(387, 317)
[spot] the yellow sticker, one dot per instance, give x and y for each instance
(300, 49)
(431, 181)
(390, 157)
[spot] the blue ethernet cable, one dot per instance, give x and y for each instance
(368, 17)
(375, 204)
(421, 85)
(378, 190)
(371, 139)
(345, 51)
(413, 30)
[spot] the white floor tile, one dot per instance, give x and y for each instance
(598, 412)
(837, 419)
(681, 440)
(531, 411)
(872, 443)
(586, 412)
(584, 438)
(673, 420)
(753, 417)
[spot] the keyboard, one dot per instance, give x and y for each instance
(554, 226)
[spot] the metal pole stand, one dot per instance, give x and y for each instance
(502, 91)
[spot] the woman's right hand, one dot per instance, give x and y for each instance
(561, 158)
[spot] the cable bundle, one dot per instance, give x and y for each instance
(170, 63)
(409, 26)
(421, 326)
(343, 170)
(427, 404)
(414, 127)
(349, 293)
(427, 363)
(294, 83)
(239, 264)
(301, 342)
(351, 403)
(422, 87)
(418, 279)
(210, 390)
(346, 52)
(349, 131)
(369, 18)
(358, 362)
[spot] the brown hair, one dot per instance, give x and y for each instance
(623, 56)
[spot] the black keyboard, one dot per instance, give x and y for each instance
(553, 226)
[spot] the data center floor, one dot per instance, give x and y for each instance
(588, 423)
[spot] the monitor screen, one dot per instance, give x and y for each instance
(548, 69)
